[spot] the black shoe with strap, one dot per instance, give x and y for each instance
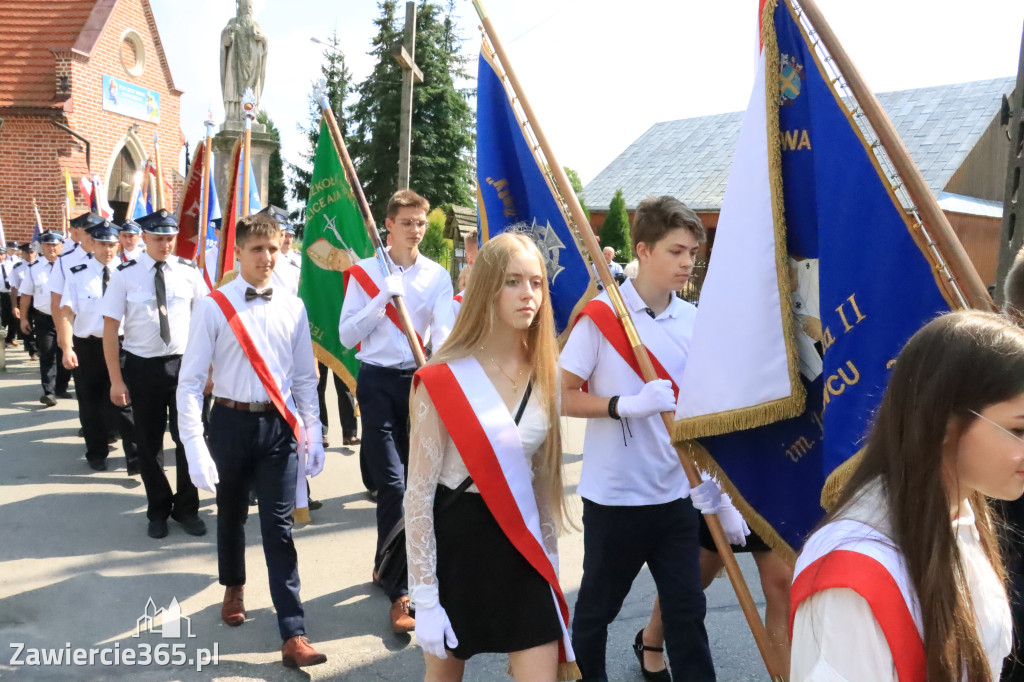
(639, 648)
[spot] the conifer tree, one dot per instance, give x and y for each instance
(615, 230)
(275, 181)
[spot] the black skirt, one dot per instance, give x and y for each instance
(496, 601)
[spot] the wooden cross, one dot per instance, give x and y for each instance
(406, 56)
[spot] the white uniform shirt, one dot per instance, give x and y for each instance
(428, 298)
(83, 293)
(36, 283)
(18, 274)
(619, 468)
(69, 244)
(63, 265)
(131, 296)
(126, 256)
(286, 273)
(279, 329)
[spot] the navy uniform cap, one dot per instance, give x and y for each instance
(12, 245)
(129, 226)
(281, 216)
(87, 220)
(159, 222)
(51, 237)
(104, 232)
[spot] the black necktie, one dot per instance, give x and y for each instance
(106, 278)
(161, 302)
(251, 293)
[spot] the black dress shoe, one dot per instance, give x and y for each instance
(48, 399)
(112, 438)
(133, 470)
(639, 648)
(193, 525)
(98, 464)
(157, 528)
(315, 504)
(63, 394)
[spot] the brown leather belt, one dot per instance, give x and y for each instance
(244, 407)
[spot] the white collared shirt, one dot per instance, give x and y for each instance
(83, 293)
(36, 283)
(18, 274)
(279, 329)
(68, 260)
(131, 297)
(286, 273)
(126, 256)
(428, 298)
(69, 244)
(636, 465)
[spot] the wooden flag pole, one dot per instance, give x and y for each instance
(647, 369)
(159, 174)
(964, 278)
(371, 226)
(204, 201)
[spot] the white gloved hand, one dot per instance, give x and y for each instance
(736, 529)
(201, 468)
(434, 631)
(393, 285)
(655, 397)
(314, 450)
(706, 497)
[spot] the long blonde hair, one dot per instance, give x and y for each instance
(474, 324)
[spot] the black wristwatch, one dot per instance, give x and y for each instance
(613, 407)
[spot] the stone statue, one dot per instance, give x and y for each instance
(243, 60)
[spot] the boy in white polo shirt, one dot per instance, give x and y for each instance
(634, 489)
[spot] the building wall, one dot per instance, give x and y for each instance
(983, 172)
(980, 238)
(29, 169)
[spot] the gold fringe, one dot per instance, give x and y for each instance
(301, 515)
(229, 276)
(335, 365)
(756, 522)
(838, 479)
(569, 671)
(738, 420)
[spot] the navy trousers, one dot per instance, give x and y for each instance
(98, 414)
(383, 395)
(55, 378)
(617, 542)
(346, 410)
(152, 384)
(256, 451)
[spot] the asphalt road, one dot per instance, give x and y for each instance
(77, 570)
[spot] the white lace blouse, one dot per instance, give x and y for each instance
(433, 459)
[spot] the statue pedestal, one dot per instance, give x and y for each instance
(262, 146)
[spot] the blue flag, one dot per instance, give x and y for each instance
(850, 277)
(512, 188)
(213, 210)
(255, 205)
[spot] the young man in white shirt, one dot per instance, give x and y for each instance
(289, 262)
(254, 425)
(633, 487)
(36, 317)
(130, 237)
(151, 298)
(17, 277)
(368, 320)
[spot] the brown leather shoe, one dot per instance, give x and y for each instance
(401, 620)
(233, 610)
(297, 653)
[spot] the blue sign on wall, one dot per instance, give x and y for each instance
(122, 97)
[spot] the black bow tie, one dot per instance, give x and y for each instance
(251, 293)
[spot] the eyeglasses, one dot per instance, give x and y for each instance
(1009, 433)
(409, 224)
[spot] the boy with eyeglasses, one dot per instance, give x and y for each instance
(369, 321)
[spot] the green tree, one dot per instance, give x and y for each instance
(577, 187)
(441, 167)
(615, 230)
(337, 81)
(434, 246)
(275, 181)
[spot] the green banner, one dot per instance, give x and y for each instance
(334, 239)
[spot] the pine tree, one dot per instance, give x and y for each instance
(337, 80)
(615, 230)
(275, 181)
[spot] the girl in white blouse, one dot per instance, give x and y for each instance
(483, 563)
(904, 581)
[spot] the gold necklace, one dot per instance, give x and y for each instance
(515, 384)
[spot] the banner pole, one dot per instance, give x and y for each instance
(159, 173)
(569, 198)
(204, 201)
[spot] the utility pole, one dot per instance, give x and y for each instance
(1012, 235)
(405, 54)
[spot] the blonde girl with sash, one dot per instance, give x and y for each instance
(904, 581)
(484, 500)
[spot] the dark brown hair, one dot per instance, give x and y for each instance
(656, 216)
(405, 198)
(1013, 289)
(956, 363)
(256, 225)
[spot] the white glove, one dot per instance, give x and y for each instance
(393, 285)
(201, 468)
(706, 497)
(434, 630)
(655, 397)
(736, 529)
(314, 450)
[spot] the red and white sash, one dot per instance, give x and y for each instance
(370, 287)
(259, 365)
(487, 438)
(603, 316)
(853, 555)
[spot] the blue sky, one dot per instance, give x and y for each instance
(598, 73)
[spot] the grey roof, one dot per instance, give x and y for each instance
(690, 158)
